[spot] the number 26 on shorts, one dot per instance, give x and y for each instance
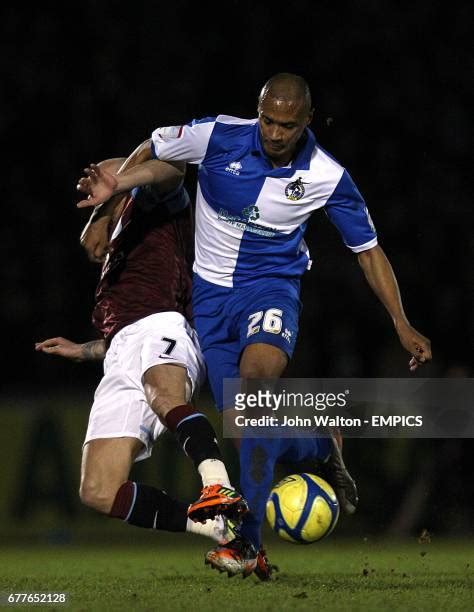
(272, 322)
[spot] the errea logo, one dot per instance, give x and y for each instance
(234, 168)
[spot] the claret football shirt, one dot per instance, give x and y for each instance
(148, 267)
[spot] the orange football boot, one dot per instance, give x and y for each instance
(216, 499)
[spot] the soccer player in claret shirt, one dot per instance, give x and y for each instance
(259, 182)
(152, 364)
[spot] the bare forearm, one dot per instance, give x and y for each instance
(62, 347)
(113, 164)
(93, 350)
(137, 170)
(140, 169)
(165, 174)
(382, 280)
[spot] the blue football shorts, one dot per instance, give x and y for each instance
(227, 319)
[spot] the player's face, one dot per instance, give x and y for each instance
(282, 123)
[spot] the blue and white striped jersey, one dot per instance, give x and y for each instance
(251, 217)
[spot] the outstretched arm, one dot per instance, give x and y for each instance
(139, 169)
(88, 351)
(382, 280)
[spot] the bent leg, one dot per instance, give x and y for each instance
(105, 487)
(106, 464)
(165, 390)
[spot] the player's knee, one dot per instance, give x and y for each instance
(163, 403)
(262, 361)
(166, 386)
(254, 368)
(162, 400)
(96, 496)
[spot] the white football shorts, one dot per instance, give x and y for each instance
(120, 408)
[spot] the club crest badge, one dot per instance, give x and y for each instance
(295, 190)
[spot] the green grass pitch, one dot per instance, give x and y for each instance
(170, 575)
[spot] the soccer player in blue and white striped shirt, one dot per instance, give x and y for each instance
(259, 181)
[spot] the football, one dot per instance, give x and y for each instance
(302, 508)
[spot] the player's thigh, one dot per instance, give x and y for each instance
(172, 365)
(268, 326)
(106, 463)
(166, 386)
(120, 409)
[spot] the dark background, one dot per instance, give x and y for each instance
(85, 81)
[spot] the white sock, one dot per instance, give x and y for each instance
(211, 528)
(213, 471)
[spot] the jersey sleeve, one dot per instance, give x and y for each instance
(347, 210)
(186, 143)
